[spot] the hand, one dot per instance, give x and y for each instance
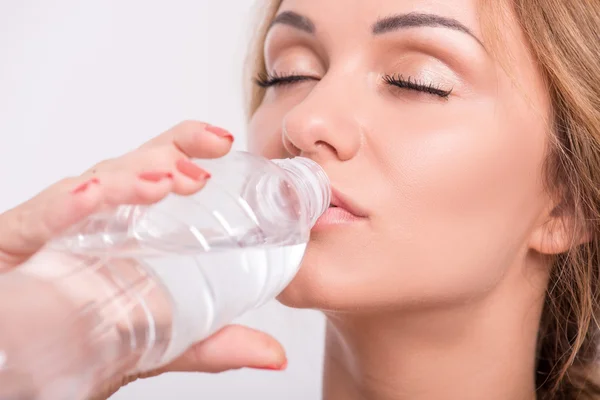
(143, 176)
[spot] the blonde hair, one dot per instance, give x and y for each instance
(563, 37)
(265, 13)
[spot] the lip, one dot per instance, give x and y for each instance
(341, 212)
(340, 201)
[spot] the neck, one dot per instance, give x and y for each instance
(483, 350)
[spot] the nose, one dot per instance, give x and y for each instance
(323, 124)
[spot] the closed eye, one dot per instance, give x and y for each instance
(267, 80)
(413, 84)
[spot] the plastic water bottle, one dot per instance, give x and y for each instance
(130, 289)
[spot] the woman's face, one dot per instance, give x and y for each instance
(436, 150)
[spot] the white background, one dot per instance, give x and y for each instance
(81, 81)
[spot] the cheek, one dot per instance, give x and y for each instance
(466, 192)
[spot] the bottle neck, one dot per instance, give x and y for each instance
(311, 181)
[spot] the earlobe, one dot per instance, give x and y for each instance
(559, 233)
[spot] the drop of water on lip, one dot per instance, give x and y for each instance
(2, 359)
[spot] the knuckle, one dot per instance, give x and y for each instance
(161, 157)
(268, 344)
(195, 356)
(190, 126)
(102, 165)
(65, 183)
(177, 133)
(17, 219)
(19, 224)
(187, 135)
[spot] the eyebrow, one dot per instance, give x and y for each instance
(294, 20)
(382, 26)
(413, 20)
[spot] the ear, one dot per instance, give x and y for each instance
(558, 232)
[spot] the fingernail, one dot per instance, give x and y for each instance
(220, 132)
(281, 367)
(84, 186)
(154, 176)
(190, 169)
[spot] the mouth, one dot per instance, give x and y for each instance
(341, 211)
(338, 200)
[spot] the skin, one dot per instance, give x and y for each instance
(438, 291)
(143, 176)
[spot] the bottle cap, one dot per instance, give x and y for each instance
(312, 181)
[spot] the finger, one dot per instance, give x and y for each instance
(192, 139)
(129, 188)
(195, 140)
(188, 177)
(152, 164)
(233, 347)
(29, 226)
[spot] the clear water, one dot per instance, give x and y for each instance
(114, 312)
(216, 287)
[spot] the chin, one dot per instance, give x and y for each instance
(334, 281)
(338, 274)
(315, 285)
(329, 292)
(304, 292)
(335, 277)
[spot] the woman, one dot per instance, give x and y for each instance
(460, 259)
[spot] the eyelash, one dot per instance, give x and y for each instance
(275, 79)
(417, 85)
(267, 80)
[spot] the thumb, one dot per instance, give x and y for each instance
(233, 347)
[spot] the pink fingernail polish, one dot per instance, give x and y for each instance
(281, 367)
(220, 132)
(84, 186)
(154, 176)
